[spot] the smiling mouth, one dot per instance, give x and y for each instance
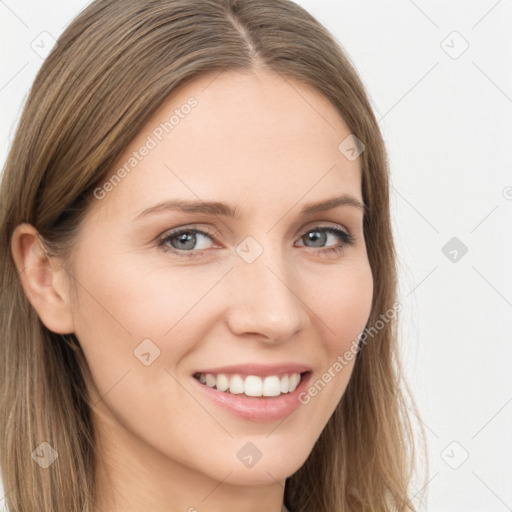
(252, 385)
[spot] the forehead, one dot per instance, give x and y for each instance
(237, 137)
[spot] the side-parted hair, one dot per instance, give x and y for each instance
(111, 70)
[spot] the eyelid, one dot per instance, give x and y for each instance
(212, 231)
(350, 239)
(322, 224)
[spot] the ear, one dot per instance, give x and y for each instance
(43, 278)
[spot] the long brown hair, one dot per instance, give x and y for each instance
(111, 69)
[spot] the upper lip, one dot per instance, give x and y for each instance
(263, 370)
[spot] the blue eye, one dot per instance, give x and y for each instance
(183, 241)
(324, 232)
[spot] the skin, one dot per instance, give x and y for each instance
(269, 146)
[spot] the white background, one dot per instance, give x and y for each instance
(447, 120)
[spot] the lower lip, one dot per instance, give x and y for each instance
(257, 408)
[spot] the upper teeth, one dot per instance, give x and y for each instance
(252, 385)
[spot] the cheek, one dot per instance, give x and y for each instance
(344, 304)
(134, 300)
(135, 326)
(342, 311)
(136, 322)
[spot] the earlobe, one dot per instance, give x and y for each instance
(43, 279)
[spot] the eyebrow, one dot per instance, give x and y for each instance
(223, 209)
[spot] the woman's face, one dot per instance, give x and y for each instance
(168, 297)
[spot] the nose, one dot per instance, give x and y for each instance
(265, 299)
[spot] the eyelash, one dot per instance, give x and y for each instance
(346, 237)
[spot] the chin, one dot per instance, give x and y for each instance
(274, 465)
